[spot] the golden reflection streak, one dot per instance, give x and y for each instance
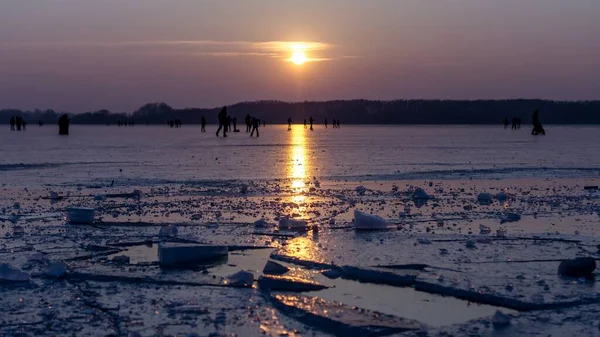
(299, 168)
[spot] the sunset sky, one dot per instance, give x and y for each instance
(84, 55)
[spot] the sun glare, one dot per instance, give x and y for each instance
(299, 57)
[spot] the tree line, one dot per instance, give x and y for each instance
(347, 111)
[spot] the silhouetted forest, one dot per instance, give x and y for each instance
(348, 112)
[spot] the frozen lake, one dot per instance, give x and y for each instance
(155, 154)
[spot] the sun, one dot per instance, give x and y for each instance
(299, 57)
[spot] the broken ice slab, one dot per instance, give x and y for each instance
(240, 279)
(286, 283)
(290, 223)
(274, 268)
(168, 231)
(10, 274)
(340, 319)
(178, 254)
(80, 215)
(364, 221)
(510, 217)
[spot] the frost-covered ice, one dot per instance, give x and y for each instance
(284, 208)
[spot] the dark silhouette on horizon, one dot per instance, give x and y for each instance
(63, 125)
(255, 124)
(475, 112)
(311, 120)
(289, 121)
(203, 124)
(222, 116)
(538, 129)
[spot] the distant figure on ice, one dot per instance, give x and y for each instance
(518, 123)
(325, 123)
(40, 123)
(63, 125)
(514, 123)
(248, 123)
(506, 122)
(538, 129)
(337, 123)
(203, 124)
(222, 116)
(235, 129)
(24, 124)
(12, 123)
(229, 122)
(18, 122)
(255, 123)
(311, 120)
(290, 124)
(305, 123)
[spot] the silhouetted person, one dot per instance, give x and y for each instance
(518, 123)
(538, 129)
(229, 122)
(40, 123)
(325, 123)
(311, 120)
(235, 125)
(24, 124)
(248, 121)
(264, 123)
(337, 124)
(290, 124)
(18, 123)
(305, 123)
(222, 116)
(255, 123)
(63, 125)
(203, 124)
(12, 123)
(506, 122)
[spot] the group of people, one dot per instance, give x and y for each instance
(226, 122)
(17, 123)
(335, 123)
(126, 123)
(174, 123)
(538, 129)
(516, 123)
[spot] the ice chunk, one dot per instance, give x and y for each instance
(240, 279)
(420, 194)
(121, 260)
(80, 215)
(361, 190)
(274, 268)
(483, 229)
(99, 197)
(484, 198)
(317, 183)
(56, 269)
(290, 223)
(510, 217)
(262, 223)
(53, 195)
(470, 244)
(10, 274)
(500, 320)
(244, 189)
(579, 267)
(168, 231)
(364, 221)
(501, 232)
(424, 241)
(502, 196)
(173, 254)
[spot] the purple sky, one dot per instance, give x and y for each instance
(82, 55)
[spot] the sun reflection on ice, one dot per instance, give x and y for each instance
(298, 170)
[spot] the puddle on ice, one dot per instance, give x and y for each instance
(429, 309)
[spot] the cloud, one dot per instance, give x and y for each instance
(273, 49)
